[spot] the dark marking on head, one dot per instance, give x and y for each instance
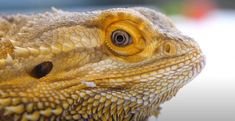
(42, 69)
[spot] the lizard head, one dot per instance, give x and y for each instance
(54, 63)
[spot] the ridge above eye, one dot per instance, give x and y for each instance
(121, 38)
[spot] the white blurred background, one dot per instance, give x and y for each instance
(211, 96)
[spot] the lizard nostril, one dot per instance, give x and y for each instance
(169, 48)
(42, 69)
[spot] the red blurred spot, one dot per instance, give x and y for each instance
(198, 9)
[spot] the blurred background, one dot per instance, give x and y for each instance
(211, 96)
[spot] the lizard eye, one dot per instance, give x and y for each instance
(124, 40)
(42, 69)
(121, 38)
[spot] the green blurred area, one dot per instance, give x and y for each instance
(167, 6)
(173, 7)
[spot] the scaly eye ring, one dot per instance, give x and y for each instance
(121, 38)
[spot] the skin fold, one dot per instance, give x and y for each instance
(67, 66)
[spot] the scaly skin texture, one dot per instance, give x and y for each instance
(92, 78)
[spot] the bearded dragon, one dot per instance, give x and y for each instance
(117, 64)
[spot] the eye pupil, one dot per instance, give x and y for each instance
(121, 38)
(42, 69)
